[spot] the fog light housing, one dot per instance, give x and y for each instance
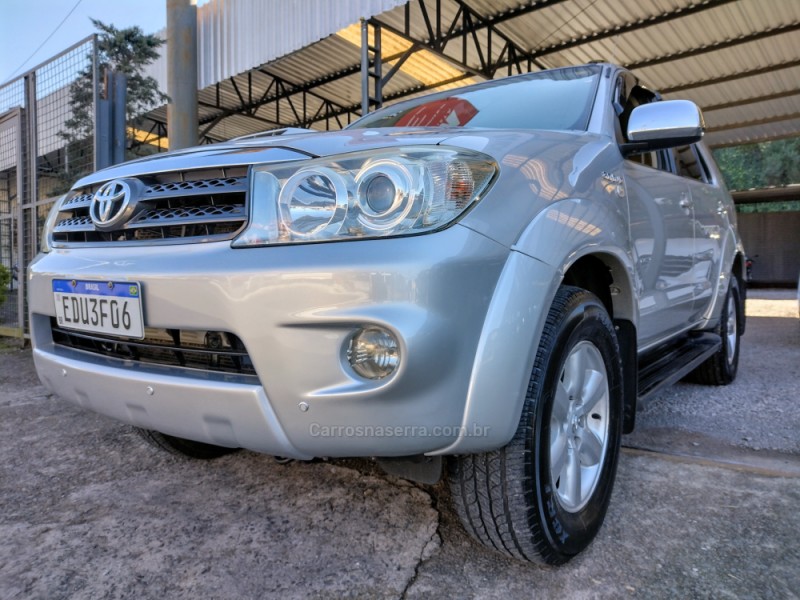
(373, 353)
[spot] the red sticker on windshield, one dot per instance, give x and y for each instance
(452, 112)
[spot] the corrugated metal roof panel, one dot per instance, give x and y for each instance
(746, 135)
(757, 111)
(234, 36)
(755, 86)
(632, 32)
(747, 57)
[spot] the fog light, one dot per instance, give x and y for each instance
(373, 353)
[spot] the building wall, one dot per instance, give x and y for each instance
(773, 239)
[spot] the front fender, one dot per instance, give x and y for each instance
(559, 236)
(571, 229)
(505, 355)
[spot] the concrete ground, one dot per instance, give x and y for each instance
(705, 506)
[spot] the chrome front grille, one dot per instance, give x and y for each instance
(198, 186)
(191, 214)
(177, 207)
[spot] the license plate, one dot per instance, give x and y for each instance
(110, 307)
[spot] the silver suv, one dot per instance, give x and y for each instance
(500, 274)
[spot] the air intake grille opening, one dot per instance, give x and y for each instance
(212, 351)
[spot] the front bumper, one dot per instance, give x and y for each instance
(294, 308)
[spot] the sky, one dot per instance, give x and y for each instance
(25, 24)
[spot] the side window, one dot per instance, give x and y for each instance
(709, 178)
(657, 159)
(649, 159)
(690, 164)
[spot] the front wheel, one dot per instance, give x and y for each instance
(544, 496)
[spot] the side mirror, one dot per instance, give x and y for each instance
(664, 124)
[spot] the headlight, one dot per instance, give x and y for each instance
(363, 195)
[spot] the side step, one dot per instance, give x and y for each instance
(675, 362)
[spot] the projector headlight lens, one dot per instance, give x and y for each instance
(388, 192)
(312, 202)
(380, 194)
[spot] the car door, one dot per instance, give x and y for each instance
(662, 243)
(709, 208)
(661, 230)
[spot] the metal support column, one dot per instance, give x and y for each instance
(102, 123)
(118, 84)
(32, 146)
(95, 100)
(371, 68)
(110, 121)
(182, 73)
(27, 196)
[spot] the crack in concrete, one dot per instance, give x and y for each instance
(429, 549)
(434, 543)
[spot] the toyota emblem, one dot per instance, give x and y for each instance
(113, 203)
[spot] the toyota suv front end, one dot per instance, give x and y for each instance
(499, 273)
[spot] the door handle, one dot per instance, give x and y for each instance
(685, 202)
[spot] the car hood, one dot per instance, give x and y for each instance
(299, 144)
(283, 145)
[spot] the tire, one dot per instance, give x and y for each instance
(516, 500)
(182, 447)
(721, 367)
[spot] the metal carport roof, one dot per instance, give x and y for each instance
(737, 59)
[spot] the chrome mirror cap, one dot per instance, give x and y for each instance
(677, 121)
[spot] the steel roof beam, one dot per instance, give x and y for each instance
(756, 140)
(644, 23)
(770, 194)
(396, 96)
(491, 54)
(754, 123)
(754, 100)
(682, 87)
(162, 124)
(745, 39)
(284, 90)
(454, 32)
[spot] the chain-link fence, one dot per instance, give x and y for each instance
(46, 143)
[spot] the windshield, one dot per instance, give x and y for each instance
(560, 99)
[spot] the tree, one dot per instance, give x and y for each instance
(761, 165)
(126, 51)
(781, 162)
